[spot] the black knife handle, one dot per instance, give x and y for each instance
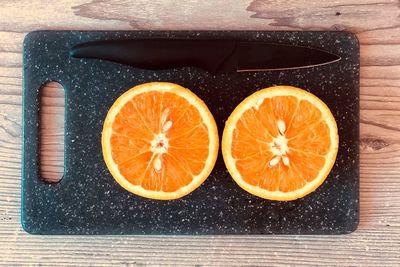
(157, 54)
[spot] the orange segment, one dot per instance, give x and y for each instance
(138, 165)
(128, 122)
(159, 141)
(253, 167)
(124, 147)
(306, 116)
(185, 120)
(280, 143)
(284, 108)
(176, 176)
(193, 160)
(264, 106)
(148, 106)
(314, 139)
(270, 179)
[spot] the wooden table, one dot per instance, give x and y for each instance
(377, 24)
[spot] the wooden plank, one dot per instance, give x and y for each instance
(377, 24)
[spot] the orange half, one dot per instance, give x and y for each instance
(159, 141)
(280, 143)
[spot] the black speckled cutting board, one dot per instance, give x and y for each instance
(89, 201)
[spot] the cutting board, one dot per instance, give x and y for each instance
(88, 200)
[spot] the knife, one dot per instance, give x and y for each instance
(215, 56)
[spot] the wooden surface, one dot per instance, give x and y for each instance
(377, 24)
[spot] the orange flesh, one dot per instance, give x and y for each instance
(307, 136)
(182, 149)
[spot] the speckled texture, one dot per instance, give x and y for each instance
(89, 201)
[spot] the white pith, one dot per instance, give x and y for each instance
(279, 146)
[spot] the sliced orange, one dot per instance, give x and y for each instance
(280, 143)
(159, 141)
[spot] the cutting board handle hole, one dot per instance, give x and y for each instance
(51, 131)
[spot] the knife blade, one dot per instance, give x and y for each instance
(215, 56)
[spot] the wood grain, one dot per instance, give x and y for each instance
(377, 24)
(51, 144)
